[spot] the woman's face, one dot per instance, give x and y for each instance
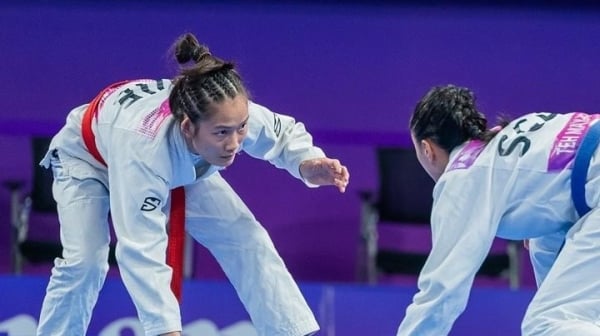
(218, 138)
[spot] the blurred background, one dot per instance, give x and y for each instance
(352, 71)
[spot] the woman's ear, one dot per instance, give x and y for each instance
(187, 128)
(428, 149)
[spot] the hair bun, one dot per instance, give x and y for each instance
(199, 52)
(187, 48)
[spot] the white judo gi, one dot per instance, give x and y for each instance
(516, 187)
(147, 157)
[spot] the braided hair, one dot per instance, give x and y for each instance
(209, 80)
(448, 116)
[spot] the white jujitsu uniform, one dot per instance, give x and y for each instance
(516, 187)
(147, 157)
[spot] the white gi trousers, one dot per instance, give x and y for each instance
(215, 217)
(568, 299)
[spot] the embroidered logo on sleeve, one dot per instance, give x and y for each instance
(150, 203)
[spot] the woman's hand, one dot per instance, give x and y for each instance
(325, 171)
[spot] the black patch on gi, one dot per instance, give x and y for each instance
(150, 203)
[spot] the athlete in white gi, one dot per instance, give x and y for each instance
(153, 136)
(513, 183)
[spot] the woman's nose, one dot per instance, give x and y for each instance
(234, 142)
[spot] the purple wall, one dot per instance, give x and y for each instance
(351, 73)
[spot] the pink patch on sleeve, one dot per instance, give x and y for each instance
(568, 140)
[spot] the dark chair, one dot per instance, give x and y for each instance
(404, 198)
(30, 242)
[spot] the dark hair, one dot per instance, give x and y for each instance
(448, 116)
(209, 80)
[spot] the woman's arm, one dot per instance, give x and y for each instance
(287, 144)
(463, 230)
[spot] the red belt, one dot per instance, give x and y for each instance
(176, 242)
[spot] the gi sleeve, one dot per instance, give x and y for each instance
(543, 252)
(279, 139)
(462, 234)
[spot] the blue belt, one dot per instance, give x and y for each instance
(580, 167)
